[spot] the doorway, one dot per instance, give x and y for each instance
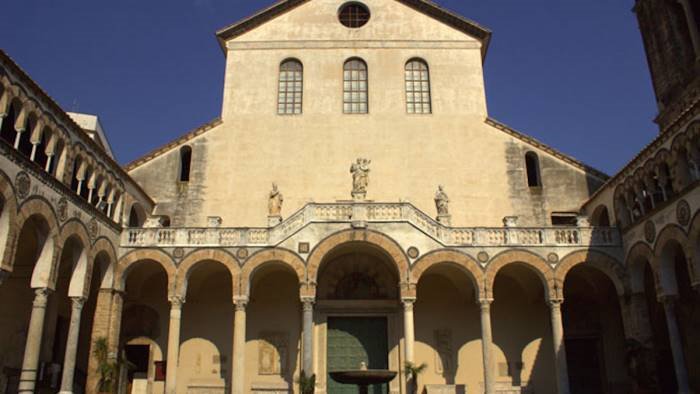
(352, 340)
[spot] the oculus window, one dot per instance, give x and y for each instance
(353, 15)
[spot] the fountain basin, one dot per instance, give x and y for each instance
(364, 377)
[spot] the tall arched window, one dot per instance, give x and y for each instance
(355, 87)
(291, 88)
(8, 132)
(532, 163)
(417, 87)
(185, 163)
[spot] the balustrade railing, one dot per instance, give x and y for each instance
(372, 213)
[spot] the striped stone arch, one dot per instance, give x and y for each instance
(537, 263)
(666, 273)
(671, 232)
(277, 255)
(639, 255)
(43, 275)
(79, 283)
(609, 266)
(454, 258)
(127, 262)
(193, 259)
(8, 222)
(104, 246)
(369, 237)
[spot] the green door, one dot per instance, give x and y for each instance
(352, 340)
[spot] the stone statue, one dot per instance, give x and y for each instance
(442, 202)
(360, 177)
(274, 204)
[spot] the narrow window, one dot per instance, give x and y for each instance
(185, 163)
(417, 87)
(8, 132)
(355, 87)
(289, 97)
(533, 170)
(563, 219)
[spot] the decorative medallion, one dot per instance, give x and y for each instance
(303, 247)
(22, 184)
(93, 228)
(413, 252)
(242, 253)
(683, 213)
(650, 231)
(482, 257)
(553, 258)
(62, 209)
(178, 253)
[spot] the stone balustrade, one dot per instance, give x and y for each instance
(359, 214)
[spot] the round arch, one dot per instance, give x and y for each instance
(379, 240)
(83, 268)
(612, 268)
(535, 262)
(43, 270)
(127, 262)
(284, 256)
(105, 246)
(670, 233)
(188, 264)
(639, 255)
(663, 263)
(8, 220)
(452, 257)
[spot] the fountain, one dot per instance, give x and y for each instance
(363, 377)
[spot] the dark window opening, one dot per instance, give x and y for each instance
(8, 132)
(85, 190)
(533, 170)
(74, 181)
(40, 157)
(564, 219)
(185, 163)
(600, 217)
(353, 15)
(25, 140)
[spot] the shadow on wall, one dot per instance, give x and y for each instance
(522, 332)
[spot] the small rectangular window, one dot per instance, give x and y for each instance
(564, 219)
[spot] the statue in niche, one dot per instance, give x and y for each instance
(274, 204)
(360, 177)
(442, 202)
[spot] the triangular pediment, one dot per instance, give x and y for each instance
(391, 20)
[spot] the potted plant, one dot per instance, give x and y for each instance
(412, 371)
(106, 369)
(307, 384)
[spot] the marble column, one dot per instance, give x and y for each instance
(239, 325)
(173, 344)
(408, 327)
(32, 348)
(487, 345)
(72, 345)
(308, 337)
(674, 338)
(559, 347)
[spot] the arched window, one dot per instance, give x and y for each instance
(40, 153)
(137, 216)
(417, 87)
(85, 189)
(600, 217)
(532, 162)
(25, 137)
(355, 87)
(185, 163)
(8, 132)
(291, 85)
(75, 184)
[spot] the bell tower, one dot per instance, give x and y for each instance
(672, 43)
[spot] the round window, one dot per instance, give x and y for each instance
(353, 15)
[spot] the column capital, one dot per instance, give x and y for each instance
(555, 303)
(308, 302)
(41, 296)
(408, 303)
(78, 302)
(240, 302)
(176, 301)
(485, 302)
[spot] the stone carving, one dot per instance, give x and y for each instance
(274, 203)
(482, 257)
(214, 221)
(413, 252)
(242, 253)
(553, 258)
(442, 202)
(93, 228)
(62, 209)
(272, 353)
(510, 221)
(650, 231)
(178, 253)
(360, 178)
(683, 213)
(443, 351)
(22, 184)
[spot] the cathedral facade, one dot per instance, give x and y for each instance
(353, 204)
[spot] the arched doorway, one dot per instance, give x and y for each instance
(206, 343)
(145, 314)
(594, 336)
(273, 331)
(357, 307)
(521, 331)
(447, 329)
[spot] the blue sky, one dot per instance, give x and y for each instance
(569, 73)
